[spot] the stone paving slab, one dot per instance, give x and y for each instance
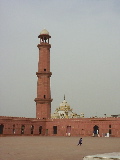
(105, 156)
(55, 148)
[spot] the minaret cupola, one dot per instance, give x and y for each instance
(44, 36)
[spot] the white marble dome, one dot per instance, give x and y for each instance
(64, 111)
(44, 31)
(64, 104)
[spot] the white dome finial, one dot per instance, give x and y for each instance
(64, 96)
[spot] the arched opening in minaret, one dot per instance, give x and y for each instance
(1, 128)
(44, 39)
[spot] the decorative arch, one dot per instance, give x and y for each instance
(1, 128)
(96, 129)
(22, 129)
(13, 128)
(32, 129)
(40, 130)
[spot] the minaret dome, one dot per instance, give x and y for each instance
(44, 36)
(44, 32)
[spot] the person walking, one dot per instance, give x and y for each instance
(80, 142)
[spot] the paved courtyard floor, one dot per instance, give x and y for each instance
(54, 148)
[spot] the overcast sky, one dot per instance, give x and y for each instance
(85, 55)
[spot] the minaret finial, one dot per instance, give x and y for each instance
(64, 96)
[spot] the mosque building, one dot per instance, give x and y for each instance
(64, 111)
(64, 122)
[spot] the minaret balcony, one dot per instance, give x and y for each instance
(42, 100)
(42, 45)
(43, 73)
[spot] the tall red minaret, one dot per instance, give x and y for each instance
(43, 100)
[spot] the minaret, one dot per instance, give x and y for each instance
(43, 100)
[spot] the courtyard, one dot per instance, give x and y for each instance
(55, 148)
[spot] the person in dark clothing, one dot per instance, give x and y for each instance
(80, 141)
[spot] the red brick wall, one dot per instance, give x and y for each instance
(76, 127)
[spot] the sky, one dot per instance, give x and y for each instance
(85, 55)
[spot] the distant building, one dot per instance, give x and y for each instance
(116, 115)
(64, 121)
(64, 111)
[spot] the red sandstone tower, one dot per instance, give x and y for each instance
(43, 100)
